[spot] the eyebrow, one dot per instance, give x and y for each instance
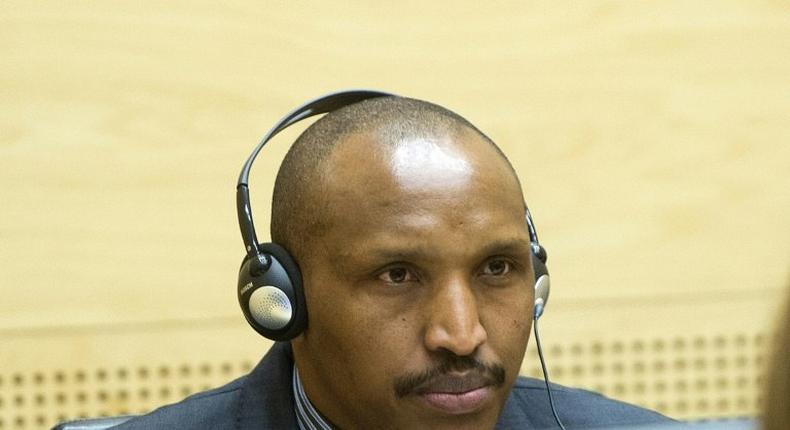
(410, 253)
(507, 246)
(512, 246)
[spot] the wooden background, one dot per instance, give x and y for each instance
(652, 139)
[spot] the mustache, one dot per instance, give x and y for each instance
(491, 374)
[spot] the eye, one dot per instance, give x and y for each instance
(497, 267)
(397, 275)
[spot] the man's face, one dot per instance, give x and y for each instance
(420, 292)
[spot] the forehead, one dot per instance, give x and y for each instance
(421, 162)
(413, 183)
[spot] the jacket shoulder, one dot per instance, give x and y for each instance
(528, 403)
(262, 399)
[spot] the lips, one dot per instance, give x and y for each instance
(456, 394)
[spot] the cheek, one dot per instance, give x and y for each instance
(508, 324)
(357, 336)
(508, 327)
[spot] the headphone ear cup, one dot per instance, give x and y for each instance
(273, 300)
(542, 285)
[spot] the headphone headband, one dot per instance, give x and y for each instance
(320, 105)
(324, 104)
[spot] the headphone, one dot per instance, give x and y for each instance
(270, 290)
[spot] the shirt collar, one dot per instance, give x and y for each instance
(307, 416)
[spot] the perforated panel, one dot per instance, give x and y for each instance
(681, 377)
(40, 399)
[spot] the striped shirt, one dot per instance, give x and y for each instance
(307, 417)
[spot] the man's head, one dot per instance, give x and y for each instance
(408, 227)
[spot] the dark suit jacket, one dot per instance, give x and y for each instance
(264, 400)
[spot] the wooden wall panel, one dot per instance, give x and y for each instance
(652, 139)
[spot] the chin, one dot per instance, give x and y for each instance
(428, 416)
(460, 422)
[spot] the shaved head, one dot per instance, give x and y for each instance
(408, 227)
(299, 207)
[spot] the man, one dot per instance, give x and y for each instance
(407, 224)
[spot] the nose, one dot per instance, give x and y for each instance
(454, 321)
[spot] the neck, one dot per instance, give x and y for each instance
(307, 416)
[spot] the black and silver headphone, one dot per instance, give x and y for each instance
(270, 289)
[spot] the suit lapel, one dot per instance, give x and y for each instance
(266, 400)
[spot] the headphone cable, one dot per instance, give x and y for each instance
(546, 374)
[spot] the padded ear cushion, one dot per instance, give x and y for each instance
(273, 302)
(299, 321)
(542, 285)
(539, 267)
(285, 259)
